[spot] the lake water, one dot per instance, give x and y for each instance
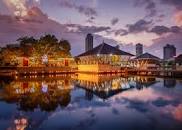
(90, 102)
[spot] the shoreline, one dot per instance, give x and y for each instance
(39, 71)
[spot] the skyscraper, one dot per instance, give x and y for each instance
(89, 42)
(169, 51)
(139, 49)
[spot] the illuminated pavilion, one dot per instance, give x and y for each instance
(103, 58)
(145, 61)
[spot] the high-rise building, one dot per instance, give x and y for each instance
(169, 51)
(139, 49)
(89, 42)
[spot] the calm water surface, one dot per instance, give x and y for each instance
(90, 102)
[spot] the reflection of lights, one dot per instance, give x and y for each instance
(178, 113)
(44, 88)
(17, 91)
(32, 90)
(44, 59)
(21, 124)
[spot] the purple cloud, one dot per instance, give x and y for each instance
(88, 11)
(150, 7)
(175, 3)
(114, 21)
(139, 26)
(159, 30)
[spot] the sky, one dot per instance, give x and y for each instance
(154, 23)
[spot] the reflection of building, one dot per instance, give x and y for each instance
(103, 58)
(169, 83)
(89, 95)
(105, 88)
(102, 87)
(142, 82)
(89, 42)
(139, 49)
(146, 61)
(169, 51)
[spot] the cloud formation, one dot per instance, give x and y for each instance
(159, 30)
(19, 7)
(114, 21)
(178, 18)
(87, 11)
(37, 23)
(175, 3)
(86, 29)
(139, 26)
(149, 5)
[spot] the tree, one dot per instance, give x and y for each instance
(65, 45)
(26, 44)
(9, 56)
(25, 40)
(46, 45)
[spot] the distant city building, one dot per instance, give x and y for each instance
(89, 42)
(169, 51)
(139, 49)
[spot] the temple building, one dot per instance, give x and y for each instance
(103, 58)
(145, 61)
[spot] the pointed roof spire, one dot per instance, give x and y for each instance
(103, 42)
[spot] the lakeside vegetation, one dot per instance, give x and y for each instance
(47, 45)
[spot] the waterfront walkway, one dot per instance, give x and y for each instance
(11, 71)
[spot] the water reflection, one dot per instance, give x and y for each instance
(85, 101)
(106, 86)
(30, 94)
(169, 83)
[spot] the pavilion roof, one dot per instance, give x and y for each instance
(178, 59)
(105, 49)
(147, 56)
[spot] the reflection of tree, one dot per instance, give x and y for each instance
(27, 104)
(46, 101)
(65, 100)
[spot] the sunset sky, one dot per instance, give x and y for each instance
(153, 23)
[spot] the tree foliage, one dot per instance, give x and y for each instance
(65, 45)
(25, 40)
(30, 47)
